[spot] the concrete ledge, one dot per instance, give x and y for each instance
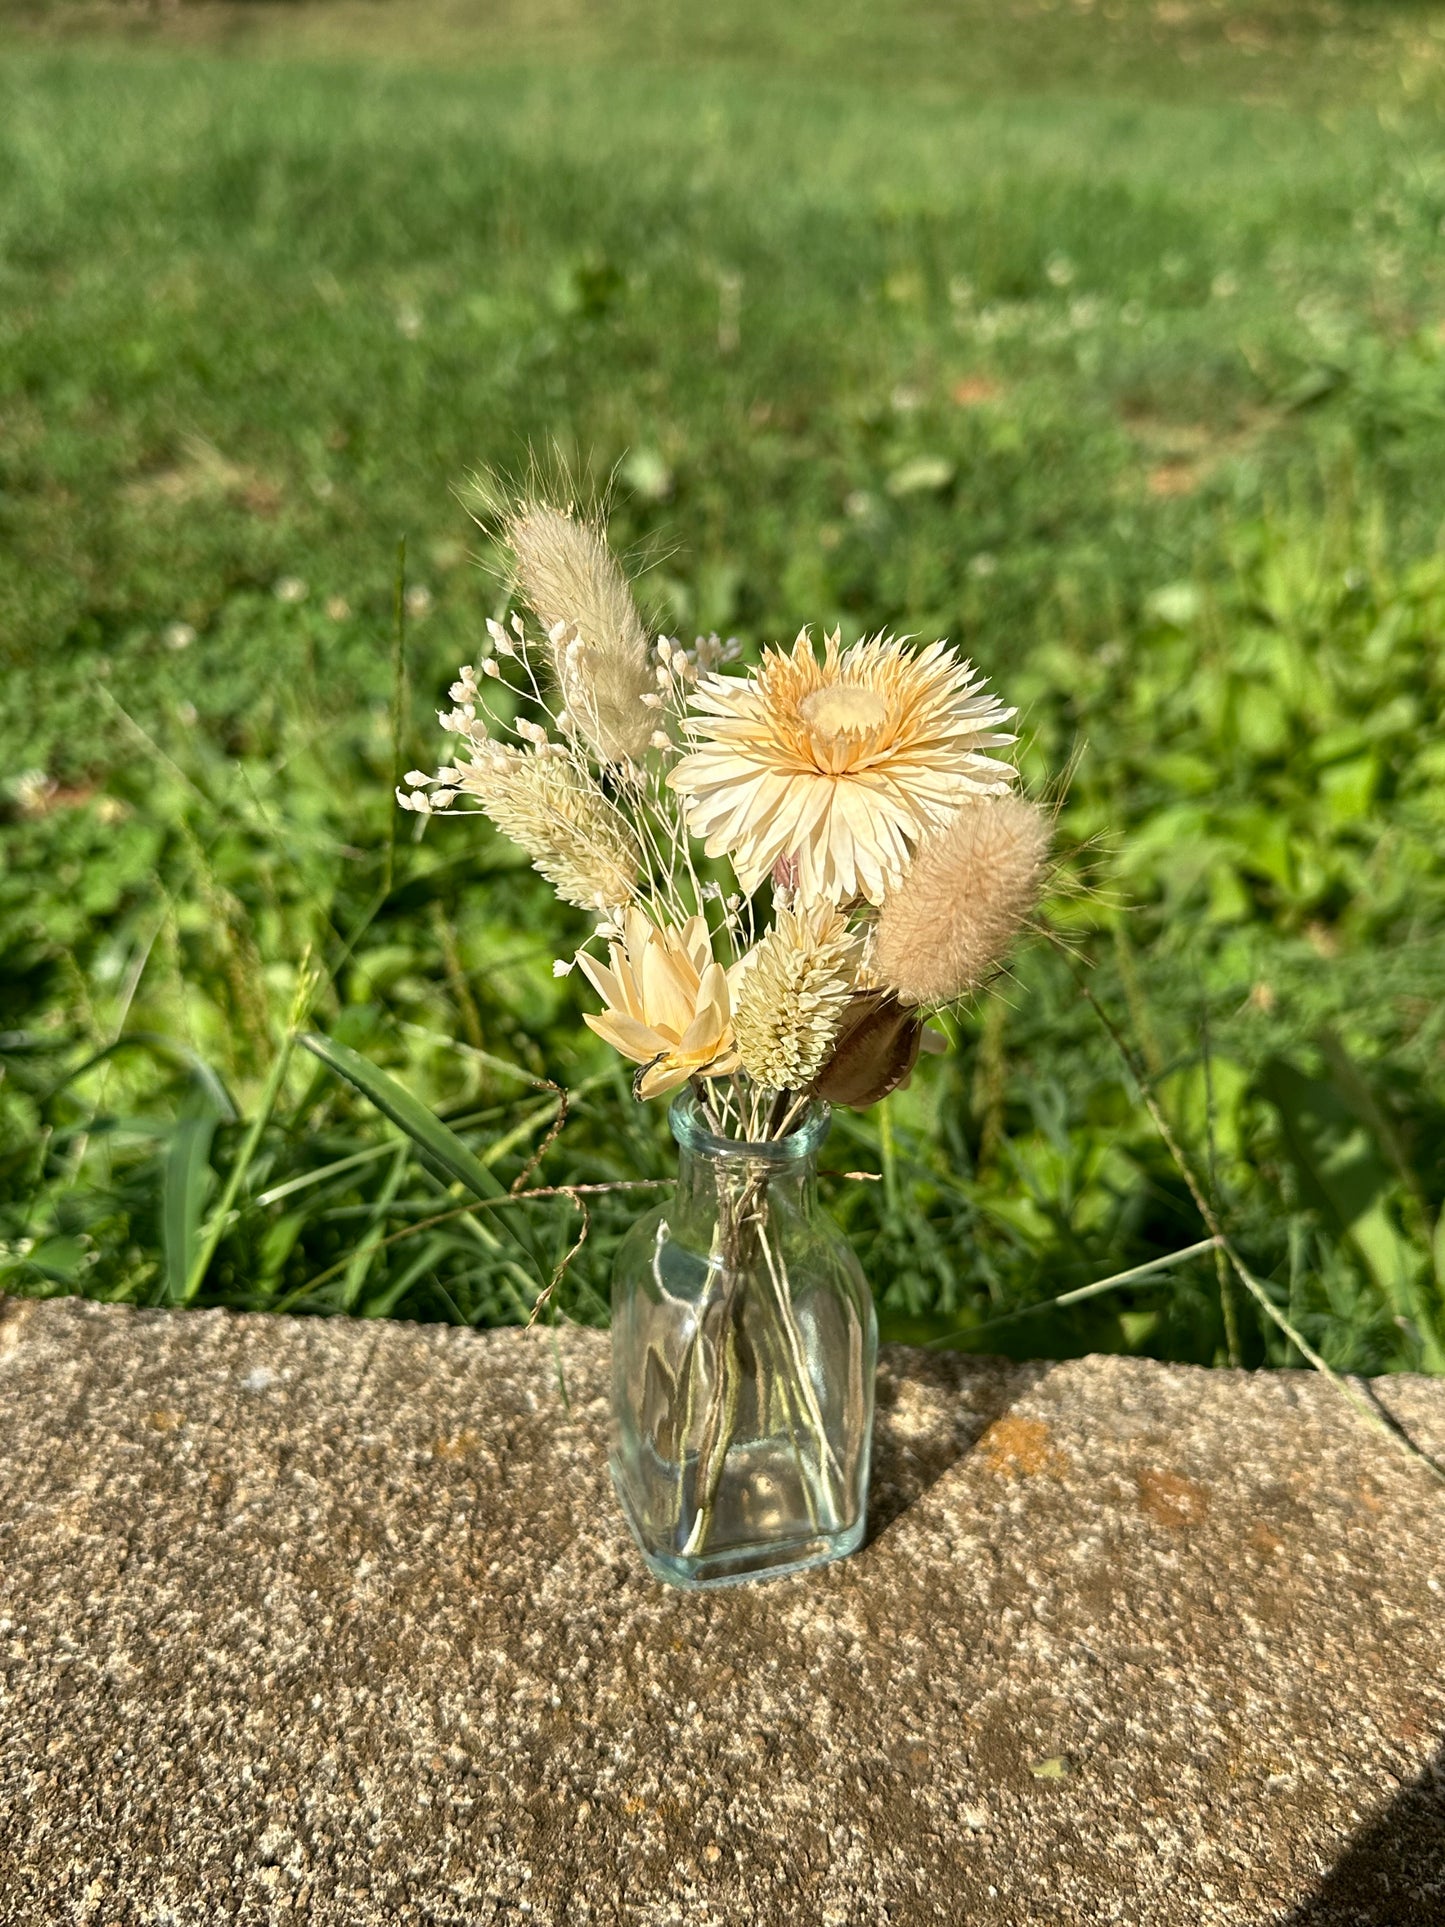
(334, 1622)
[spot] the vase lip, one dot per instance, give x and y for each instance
(692, 1132)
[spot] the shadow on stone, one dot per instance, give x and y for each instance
(1392, 1874)
(930, 1417)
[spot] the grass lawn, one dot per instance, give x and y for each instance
(1108, 340)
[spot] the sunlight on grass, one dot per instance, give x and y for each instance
(1118, 358)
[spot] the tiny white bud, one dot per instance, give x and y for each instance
(489, 668)
(660, 739)
(417, 778)
(561, 967)
(651, 702)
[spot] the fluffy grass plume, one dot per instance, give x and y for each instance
(948, 925)
(575, 587)
(576, 839)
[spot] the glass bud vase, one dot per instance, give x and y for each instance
(744, 1343)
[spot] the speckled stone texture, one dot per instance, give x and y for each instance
(337, 1622)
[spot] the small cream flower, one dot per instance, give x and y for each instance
(667, 1003)
(838, 766)
(791, 991)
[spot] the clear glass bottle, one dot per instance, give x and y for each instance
(744, 1344)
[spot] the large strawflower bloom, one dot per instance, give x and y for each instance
(839, 766)
(667, 1003)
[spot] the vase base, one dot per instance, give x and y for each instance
(742, 1565)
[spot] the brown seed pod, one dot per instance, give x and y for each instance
(874, 1052)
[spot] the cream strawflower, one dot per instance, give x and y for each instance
(790, 994)
(667, 1003)
(839, 765)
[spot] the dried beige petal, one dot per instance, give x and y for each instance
(667, 1005)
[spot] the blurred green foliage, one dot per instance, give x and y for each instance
(1128, 379)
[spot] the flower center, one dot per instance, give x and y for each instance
(842, 709)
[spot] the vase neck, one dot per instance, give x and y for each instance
(712, 1183)
(725, 1175)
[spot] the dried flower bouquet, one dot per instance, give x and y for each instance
(789, 868)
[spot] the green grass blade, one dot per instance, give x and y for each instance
(361, 1261)
(183, 1195)
(385, 1302)
(1350, 1179)
(398, 709)
(308, 1180)
(207, 1079)
(220, 1217)
(425, 1130)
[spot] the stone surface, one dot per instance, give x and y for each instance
(334, 1622)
